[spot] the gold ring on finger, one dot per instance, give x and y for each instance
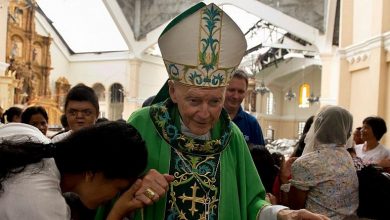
(149, 193)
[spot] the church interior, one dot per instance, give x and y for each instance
(301, 55)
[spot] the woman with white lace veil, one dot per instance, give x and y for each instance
(324, 179)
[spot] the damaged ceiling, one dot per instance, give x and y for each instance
(145, 16)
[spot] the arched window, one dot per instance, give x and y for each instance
(304, 93)
(117, 93)
(253, 101)
(270, 104)
(116, 102)
(100, 91)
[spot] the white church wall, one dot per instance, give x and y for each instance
(284, 121)
(361, 80)
(278, 100)
(367, 56)
(152, 77)
(104, 68)
(291, 108)
(58, 52)
(60, 65)
(386, 138)
(40, 26)
(104, 72)
(365, 16)
(3, 33)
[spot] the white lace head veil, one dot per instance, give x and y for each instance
(20, 132)
(332, 125)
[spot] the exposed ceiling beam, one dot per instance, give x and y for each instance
(320, 42)
(137, 16)
(275, 17)
(325, 41)
(137, 47)
(290, 44)
(121, 22)
(286, 67)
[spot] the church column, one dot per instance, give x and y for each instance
(132, 102)
(7, 83)
(387, 82)
(383, 63)
(3, 35)
(7, 87)
(329, 78)
(379, 65)
(3, 68)
(345, 39)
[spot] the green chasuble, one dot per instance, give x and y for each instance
(214, 179)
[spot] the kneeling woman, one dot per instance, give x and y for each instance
(324, 180)
(96, 163)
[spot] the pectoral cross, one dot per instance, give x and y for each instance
(193, 199)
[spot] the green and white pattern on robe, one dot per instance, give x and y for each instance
(207, 71)
(195, 164)
(241, 194)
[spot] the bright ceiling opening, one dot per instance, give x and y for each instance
(85, 25)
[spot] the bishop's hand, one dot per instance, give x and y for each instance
(154, 186)
(302, 214)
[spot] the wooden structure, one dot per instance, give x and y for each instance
(28, 54)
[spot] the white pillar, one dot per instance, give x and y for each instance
(132, 101)
(6, 82)
(330, 78)
(7, 88)
(3, 35)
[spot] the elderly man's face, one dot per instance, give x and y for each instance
(199, 107)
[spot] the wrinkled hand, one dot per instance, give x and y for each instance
(285, 169)
(301, 214)
(156, 183)
(126, 203)
(271, 199)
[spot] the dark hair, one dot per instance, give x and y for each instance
(113, 148)
(308, 123)
(148, 101)
(10, 113)
(81, 92)
(33, 110)
(64, 121)
(240, 74)
(278, 159)
(265, 166)
(300, 145)
(100, 120)
(351, 150)
(378, 126)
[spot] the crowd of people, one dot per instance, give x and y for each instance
(190, 152)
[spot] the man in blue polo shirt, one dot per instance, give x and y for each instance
(235, 93)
